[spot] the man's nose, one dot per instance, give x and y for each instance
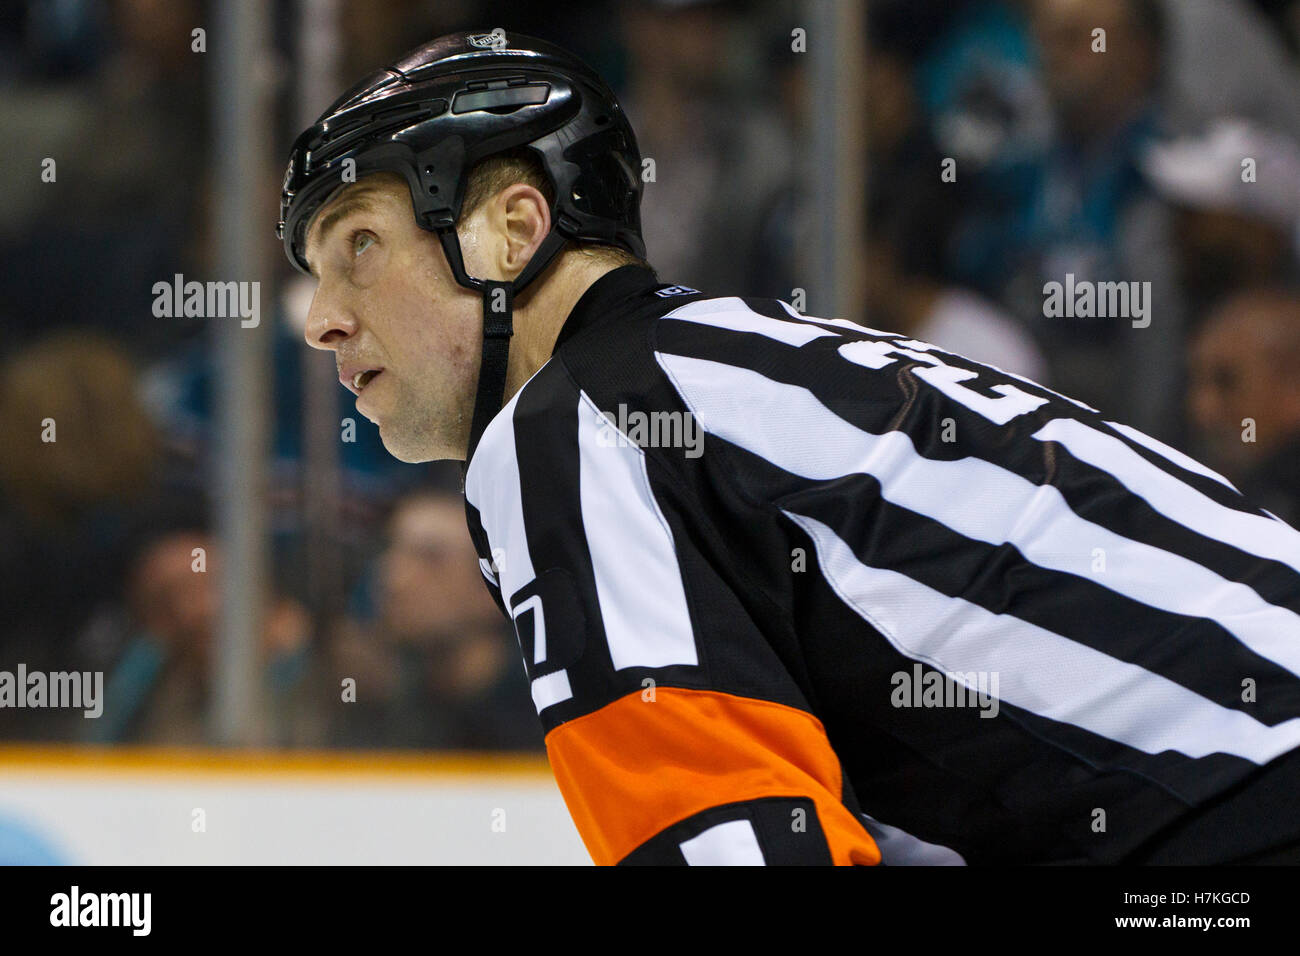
(327, 324)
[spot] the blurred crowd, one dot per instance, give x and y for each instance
(1009, 145)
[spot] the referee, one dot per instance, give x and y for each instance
(787, 589)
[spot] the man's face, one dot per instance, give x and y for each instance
(1236, 374)
(430, 588)
(1088, 86)
(173, 603)
(387, 301)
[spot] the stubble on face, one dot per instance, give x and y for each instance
(432, 331)
(404, 312)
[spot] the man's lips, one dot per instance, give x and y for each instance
(356, 377)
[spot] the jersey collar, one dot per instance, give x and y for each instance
(604, 296)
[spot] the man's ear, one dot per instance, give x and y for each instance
(524, 220)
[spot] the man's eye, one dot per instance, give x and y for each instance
(361, 242)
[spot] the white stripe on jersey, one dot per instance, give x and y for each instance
(789, 427)
(499, 500)
(842, 323)
(732, 313)
(733, 843)
(1040, 671)
(492, 486)
(633, 558)
(1176, 500)
(1173, 454)
(551, 689)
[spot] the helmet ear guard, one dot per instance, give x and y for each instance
(440, 110)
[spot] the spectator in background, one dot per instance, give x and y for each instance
(1105, 113)
(981, 80)
(74, 434)
(1244, 399)
(982, 100)
(181, 395)
(1051, 182)
(977, 77)
(160, 690)
(904, 295)
(1091, 215)
(1236, 193)
(905, 289)
(117, 213)
(910, 219)
(1048, 136)
(433, 664)
(80, 466)
(724, 152)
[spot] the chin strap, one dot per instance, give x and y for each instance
(498, 327)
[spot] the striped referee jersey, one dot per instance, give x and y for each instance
(789, 590)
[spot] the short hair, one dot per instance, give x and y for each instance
(494, 173)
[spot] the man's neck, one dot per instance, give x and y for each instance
(541, 311)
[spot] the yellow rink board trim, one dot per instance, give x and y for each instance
(414, 766)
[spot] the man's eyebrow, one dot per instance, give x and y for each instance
(359, 201)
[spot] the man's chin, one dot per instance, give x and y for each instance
(404, 452)
(413, 451)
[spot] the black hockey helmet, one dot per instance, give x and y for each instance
(439, 110)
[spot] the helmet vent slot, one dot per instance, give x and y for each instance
(505, 100)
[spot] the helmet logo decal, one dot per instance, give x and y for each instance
(496, 40)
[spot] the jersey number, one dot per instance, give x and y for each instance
(1009, 403)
